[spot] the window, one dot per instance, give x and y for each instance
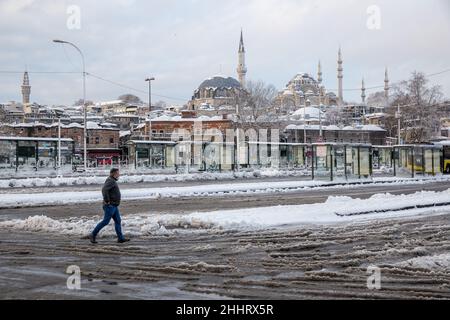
(446, 152)
(97, 140)
(87, 139)
(111, 140)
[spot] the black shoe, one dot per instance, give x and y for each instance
(123, 240)
(92, 239)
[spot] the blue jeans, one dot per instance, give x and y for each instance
(111, 212)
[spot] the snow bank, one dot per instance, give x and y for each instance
(95, 180)
(437, 262)
(59, 198)
(334, 210)
(63, 198)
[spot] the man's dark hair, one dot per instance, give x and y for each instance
(113, 171)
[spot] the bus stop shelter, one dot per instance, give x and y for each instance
(35, 154)
(150, 154)
(321, 161)
(341, 161)
(413, 160)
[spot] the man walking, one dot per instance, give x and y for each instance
(111, 202)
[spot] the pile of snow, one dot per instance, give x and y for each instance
(136, 225)
(334, 210)
(437, 262)
(61, 198)
(9, 200)
(95, 180)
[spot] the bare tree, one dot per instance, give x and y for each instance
(337, 116)
(79, 102)
(376, 99)
(130, 98)
(256, 105)
(160, 105)
(418, 100)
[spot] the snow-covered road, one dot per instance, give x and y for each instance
(9, 200)
(328, 261)
(334, 210)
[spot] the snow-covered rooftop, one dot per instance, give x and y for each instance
(336, 128)
(90, 125)
(124, 133)
(180, 118)
(312, 113)
(107, 103)
(219, 82)
(124, 115)
(443, 143)
(34, 139)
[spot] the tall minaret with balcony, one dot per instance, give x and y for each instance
(363, 92)
(26, 91)
(319, 73)
(340, 77)
(386, 86)
(241, 69)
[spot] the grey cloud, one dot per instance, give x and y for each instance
(183, 42)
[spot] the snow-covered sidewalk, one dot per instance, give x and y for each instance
(63, 198)
(334, 210)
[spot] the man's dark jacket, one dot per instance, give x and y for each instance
(111, 192)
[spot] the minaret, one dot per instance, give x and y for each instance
(241, 69)
(340, 77)
(386, 86)
(319, 73)
(26, 90)
(363, 92)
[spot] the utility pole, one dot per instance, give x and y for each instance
(59, 144)
(149, 80)
(238, 145)
(320, 115)
(84, 100)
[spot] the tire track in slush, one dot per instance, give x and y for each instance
(305, 262)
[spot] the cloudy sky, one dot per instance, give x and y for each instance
(182, 42)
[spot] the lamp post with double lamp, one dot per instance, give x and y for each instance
(149, 80)
(59, 145)
(320, 115)
(84, 100)
(398, 116)
(305, 98)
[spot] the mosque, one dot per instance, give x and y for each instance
(219, 94)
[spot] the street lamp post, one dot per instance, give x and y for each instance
(84, 100)
(149, 80)
(59, 145)
(320, 115)
(398, 115)
(305, 97)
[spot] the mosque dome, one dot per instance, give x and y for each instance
(220, 82)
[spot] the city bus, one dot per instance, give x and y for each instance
(446, 158)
